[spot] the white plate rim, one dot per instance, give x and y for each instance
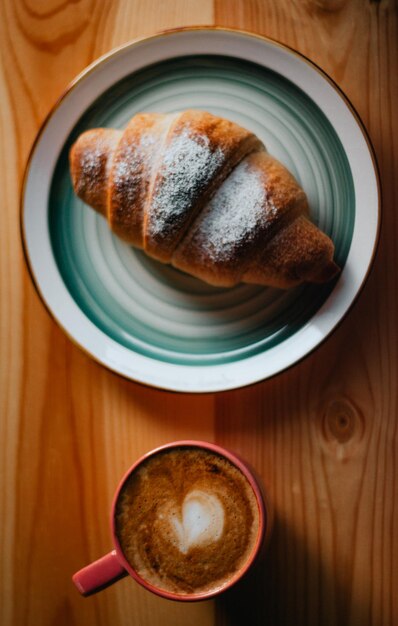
(209, 378)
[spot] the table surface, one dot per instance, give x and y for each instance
(323, 435)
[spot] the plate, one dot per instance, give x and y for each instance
(150, 322)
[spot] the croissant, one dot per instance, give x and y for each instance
(203, 194)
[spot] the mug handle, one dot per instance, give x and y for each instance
(99, 574)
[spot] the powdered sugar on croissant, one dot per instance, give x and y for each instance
(202, 193)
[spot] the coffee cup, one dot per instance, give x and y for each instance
(188, 520)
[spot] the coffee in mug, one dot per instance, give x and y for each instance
(187, 520)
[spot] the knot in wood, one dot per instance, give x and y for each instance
(342, 422)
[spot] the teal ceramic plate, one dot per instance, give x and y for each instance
(148, 321)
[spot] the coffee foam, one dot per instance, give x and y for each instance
(187, 520)
(201, 520)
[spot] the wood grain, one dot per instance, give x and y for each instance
(323, 435)
(328, 428)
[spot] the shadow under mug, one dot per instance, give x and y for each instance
(114, 565)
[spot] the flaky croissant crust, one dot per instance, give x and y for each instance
(202, 193)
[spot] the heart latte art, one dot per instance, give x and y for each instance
(187, 520)
(201, 520)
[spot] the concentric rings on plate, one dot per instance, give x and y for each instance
(149, 321)
(154, 309)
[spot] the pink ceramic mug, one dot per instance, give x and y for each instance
(114, 565)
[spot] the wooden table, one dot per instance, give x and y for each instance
(323, 435)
